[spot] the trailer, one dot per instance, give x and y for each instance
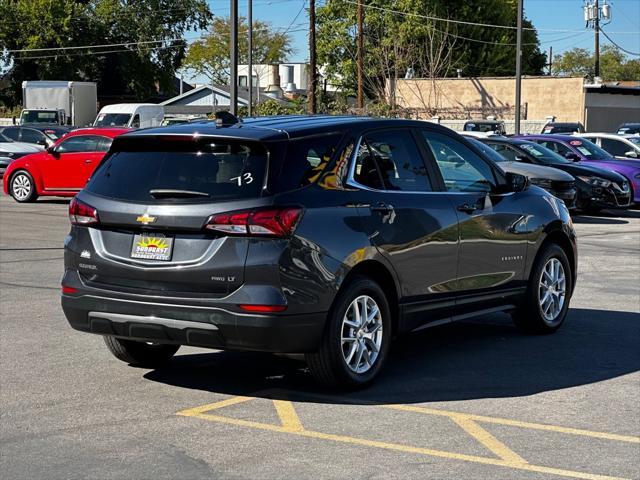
(59, 102)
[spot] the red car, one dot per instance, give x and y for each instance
(62, 169)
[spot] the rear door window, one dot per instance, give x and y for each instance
(390, 160)
(179, 171)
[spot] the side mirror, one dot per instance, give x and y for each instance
(572, 156)
(516, 182)
(521, 159)
(631, 154)
(42, 142)
(52, 151)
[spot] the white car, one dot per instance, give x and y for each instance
(620, 146)
(10, 150)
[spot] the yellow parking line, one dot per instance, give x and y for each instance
(288, 416)
(192, 412)
(517, 423)
(396, 447)
(488, 440)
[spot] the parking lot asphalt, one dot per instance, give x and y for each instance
(476, 399)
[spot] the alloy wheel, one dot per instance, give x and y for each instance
(361, 334)
(552, 290)
(21, 186)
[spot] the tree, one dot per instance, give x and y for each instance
(580, 62)
(209, 56)
(125, 69)
(404, 27)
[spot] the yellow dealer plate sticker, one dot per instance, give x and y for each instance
(150, 247)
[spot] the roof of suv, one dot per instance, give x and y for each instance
(280, 127)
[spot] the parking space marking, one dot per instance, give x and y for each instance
(291, 424)
(488, 440)
(517, 423)
(288, 415)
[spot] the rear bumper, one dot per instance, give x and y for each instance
(156, 319)
(196, 327)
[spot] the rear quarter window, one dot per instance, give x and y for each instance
(305, 160)
(217, 170)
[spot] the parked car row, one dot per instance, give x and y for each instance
(572, 168)
(590, 182)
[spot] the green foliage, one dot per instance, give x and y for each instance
(273, 107)
(580, 62)
(209, 56)
(137, 70)
(394, 42)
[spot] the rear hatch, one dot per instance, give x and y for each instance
(153, 198)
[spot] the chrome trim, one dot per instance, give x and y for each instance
(98, 245)
(165, 322)
(173, 305)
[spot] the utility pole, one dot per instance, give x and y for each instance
(593, 13)
(518, 66)
(550, 61)
(313, 71)
(250, 65)
(360, 60)
(596, 30)
(233, 80)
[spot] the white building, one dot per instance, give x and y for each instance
(292, 76)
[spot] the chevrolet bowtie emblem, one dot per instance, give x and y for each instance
(146, 219)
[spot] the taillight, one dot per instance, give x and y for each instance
(82, 214)
(67, 290)
(263, 308)
(271, 222)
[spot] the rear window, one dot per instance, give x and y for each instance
(178, 171)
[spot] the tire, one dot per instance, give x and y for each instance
(340, 363)
(22, 187)
(535, 315)
(140, 354)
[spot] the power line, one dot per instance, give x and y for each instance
(462, 22)
(618, 46)
(122, 50)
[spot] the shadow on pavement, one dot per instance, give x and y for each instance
(485, 358)
(599, 220)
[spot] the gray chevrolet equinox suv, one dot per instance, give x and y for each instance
(325, 236)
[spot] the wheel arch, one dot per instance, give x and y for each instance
(383, 276)
(559, 237)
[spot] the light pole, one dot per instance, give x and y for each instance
(250, 59)
(518, 66)
(233, 81)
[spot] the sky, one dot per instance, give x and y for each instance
(546, 15)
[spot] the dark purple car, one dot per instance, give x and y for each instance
(588, 153)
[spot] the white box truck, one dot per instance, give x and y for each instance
(59, 102)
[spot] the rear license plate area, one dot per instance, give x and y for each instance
(152, 247)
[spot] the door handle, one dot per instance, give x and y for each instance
(381, 207)
(88, 161)
(466, 208)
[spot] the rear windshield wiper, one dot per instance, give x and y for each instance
(170, 193)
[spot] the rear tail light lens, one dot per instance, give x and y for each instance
(277, 222)
(67, 290)
(82, 214)
(263, 308)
